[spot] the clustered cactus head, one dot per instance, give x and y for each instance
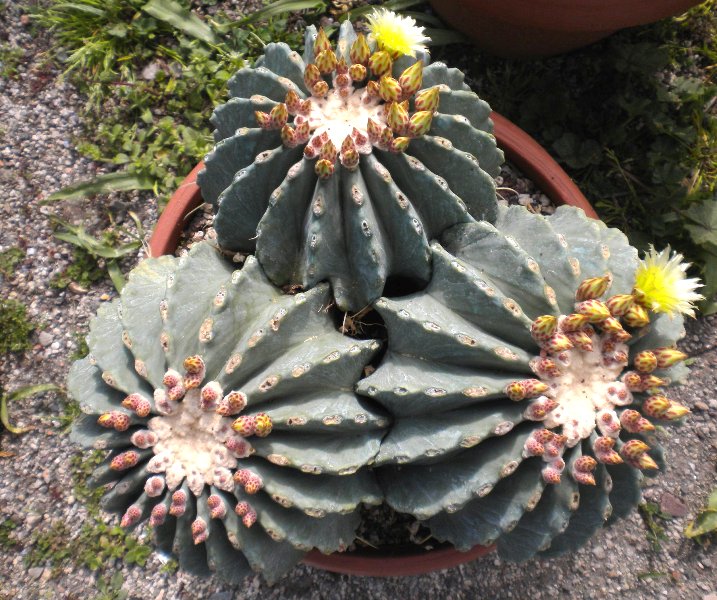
(517, 399)
(230, 414)
(343, 164)
(525, 383)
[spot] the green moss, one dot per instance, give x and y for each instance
(82, 348)
(82, 465)
(9, 258)
(6, 528)
(10, 59)
(15, 326)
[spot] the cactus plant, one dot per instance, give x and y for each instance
(229, 412)
(344, 164)
(525, 382)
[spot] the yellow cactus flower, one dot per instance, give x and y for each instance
(395, 34)
(661, 284)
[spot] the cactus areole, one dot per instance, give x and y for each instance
(355, 156)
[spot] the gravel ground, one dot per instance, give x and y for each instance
(37, 130)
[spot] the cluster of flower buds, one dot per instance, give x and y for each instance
(379, 109)
(176, 384)
(200, 531)
(550, 446)
(249, 480)
(179, 503)
(217, 506)
(593, 337)
(125, 460)
(120, 421)
(158, 515)
(246, 512)
(131, 516)
(247, 425)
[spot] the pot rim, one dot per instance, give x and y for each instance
(572, 15)
(535, 162)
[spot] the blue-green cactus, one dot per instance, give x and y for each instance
(341, 166)
(224, 402)
(517, 418)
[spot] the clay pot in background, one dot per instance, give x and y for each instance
(535, 28)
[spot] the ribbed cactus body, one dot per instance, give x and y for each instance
(342, 165)
(230, 414)
(517, 418)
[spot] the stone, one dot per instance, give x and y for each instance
(45, 338)
(701, 406)
(599, 552)
(712, 596)
(672, 505)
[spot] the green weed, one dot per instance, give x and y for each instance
(10, 59)
(82, 349)
(84, 270)
(170, 567)
(9, 259)
(651, 515)
(70, 413)
(633, 120)
(96, 256)
(97, 546)
(82, 465)
(7, 526)
(704, 525)
(15, 326)
(152, 78)
(110, 588)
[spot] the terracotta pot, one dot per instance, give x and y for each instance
(533, 28)
(537, 165)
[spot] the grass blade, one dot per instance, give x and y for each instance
(85, 8)
(183, 19)
(442, 37)
(394, 5)
(282, 6)
(103, 184)
(116, 275)
(19, 394)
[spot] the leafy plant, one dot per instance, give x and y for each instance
(90, 250)
(15, 325)
(7, 526)
(152, 72)
(636, 128)
(651, 515)
(705, 523)
(111, 589)
(84, 271)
